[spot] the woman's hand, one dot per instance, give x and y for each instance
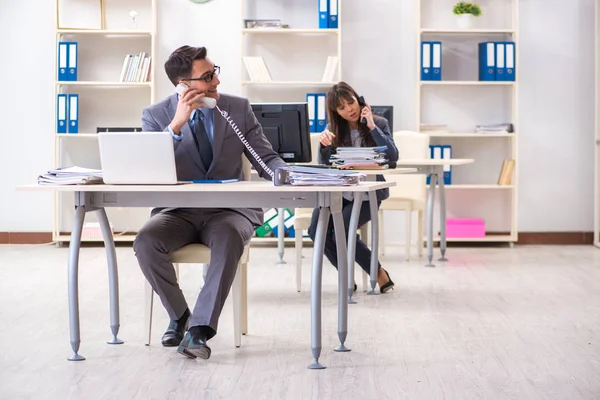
(368, 115)
(326, 138)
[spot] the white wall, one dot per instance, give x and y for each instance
(556, 93)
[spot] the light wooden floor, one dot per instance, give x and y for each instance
(520, 323)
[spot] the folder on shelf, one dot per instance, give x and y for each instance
(436, 61)
(321, 112)
(72, 62)
(446, 155)
(73, 113)
(61, 114)
(487, 61)
(506, 172)
(509, 60)
(500, 63)
(311, 99)
(425, 61)
(323, 14)
(333, 14)
(63, 52)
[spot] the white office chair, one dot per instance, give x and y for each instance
(200, 254)
(302, 217)
(409, 194)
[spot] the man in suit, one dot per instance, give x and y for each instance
(206, 147)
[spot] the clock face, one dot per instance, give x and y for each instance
(199, 1)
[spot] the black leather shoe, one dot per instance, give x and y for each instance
(194, 344)
(174, 334)
(387, 286)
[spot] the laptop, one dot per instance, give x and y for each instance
(137, 158)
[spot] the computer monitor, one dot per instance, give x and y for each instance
(386, 112)
(286, 127)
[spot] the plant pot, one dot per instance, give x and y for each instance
(465, 21)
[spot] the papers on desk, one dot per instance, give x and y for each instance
(71, 176)
(307, 176)
(360, 157)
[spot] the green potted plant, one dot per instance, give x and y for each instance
(465, 12)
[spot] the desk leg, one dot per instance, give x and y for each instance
(374, 240)
(316, 286)
(342, 257)
(352, 228)
(113, 275)
(442, 216)
(429, 218)
(74, 247)
(280, 235)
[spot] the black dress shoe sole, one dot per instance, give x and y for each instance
(199, 352)
(171, 341)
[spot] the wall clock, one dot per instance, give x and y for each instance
(199, 1)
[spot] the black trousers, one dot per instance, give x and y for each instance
(363, 253)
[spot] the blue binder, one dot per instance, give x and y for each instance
(510, 61)
(487, 61)
(321, 113)
(311, 99)
(323, 14)
(447, 154)
(73, 113)
(72, 62)
(63, 55)
(428, 179)
(61, 114)
(425, 61)
(500, 61)
(436, 61)
(333, 14)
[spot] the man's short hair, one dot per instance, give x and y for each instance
(179, 64)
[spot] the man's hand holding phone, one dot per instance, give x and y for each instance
(189, 100)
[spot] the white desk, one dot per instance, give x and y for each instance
(240, 194)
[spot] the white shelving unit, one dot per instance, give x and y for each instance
(103, 100)
(295, 57)
(597, 144)
(465, 101)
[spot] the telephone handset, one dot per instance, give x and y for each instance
(362, 103)
(212, 103)
(208, 101)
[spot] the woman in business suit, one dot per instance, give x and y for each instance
(345, 109)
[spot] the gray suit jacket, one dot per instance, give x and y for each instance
(227, 147)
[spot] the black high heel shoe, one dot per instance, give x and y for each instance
(387, 286)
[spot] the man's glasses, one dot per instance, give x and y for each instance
(208, 77)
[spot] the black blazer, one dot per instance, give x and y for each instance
(383, 137)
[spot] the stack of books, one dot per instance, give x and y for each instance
(360, 157)
(506, 173)
(494, 128)
(71, 176)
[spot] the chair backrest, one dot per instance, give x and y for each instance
(246, 168)
(314, 147)
(410, 145)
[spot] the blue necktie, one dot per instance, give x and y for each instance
(202, 140)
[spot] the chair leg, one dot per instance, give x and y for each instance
(381, 235)
(244, 326)
(148, 314)
(366, 281)
(237, 306)
(408, 226)
(298, 241)
(420, 240)
(176, 266)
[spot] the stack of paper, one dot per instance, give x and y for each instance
(307, 176)
(71, 176)
(494, 128)
(360, 157)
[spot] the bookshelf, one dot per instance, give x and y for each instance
(105, 33)
(461, 101)
(295, 57)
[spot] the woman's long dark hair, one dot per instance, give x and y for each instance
(338, 125)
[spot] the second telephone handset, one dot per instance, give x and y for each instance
(212, 103)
